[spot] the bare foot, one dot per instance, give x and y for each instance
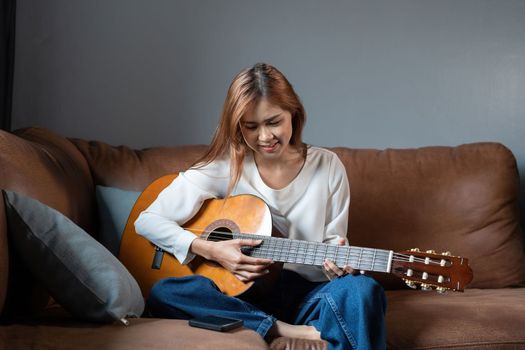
(283, 329)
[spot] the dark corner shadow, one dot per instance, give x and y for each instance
(521, 198)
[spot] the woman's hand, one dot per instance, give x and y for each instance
(228, 254)
(332, 271)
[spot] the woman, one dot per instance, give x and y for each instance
(258, 149)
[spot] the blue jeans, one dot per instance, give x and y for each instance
(348, 311)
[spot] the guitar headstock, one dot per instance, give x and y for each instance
(430, 270)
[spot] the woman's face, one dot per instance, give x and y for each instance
(267, 130)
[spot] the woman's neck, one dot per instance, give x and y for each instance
(280, 172)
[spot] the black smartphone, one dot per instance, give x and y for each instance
(216, 323)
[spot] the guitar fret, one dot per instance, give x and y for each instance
(316, 256)
(346, 254)
(366, 263)
(308, 255)
(364, 259)
(359, 259)
(383, 261)
(293, 251)
(312, 253)
(335, 252)
(271, 248)
(289, 252)
(292, 254)
(309, 252)
(280, 249)
(303, 251)
(340, 261)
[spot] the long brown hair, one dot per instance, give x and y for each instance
(246, 90)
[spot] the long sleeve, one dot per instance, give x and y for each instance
(161, 222)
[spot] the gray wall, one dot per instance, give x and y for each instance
(375, 73)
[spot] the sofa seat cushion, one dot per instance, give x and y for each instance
(475, 319)
(142, 333)
(285, 343)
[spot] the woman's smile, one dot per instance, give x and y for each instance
(269, 148)
(267, 130)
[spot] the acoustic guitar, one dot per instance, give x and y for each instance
(247, 216)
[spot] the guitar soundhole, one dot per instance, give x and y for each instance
(220, 234)
(221, 230)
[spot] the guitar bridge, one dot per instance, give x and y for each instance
(157, 258)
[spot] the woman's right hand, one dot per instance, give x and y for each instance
(229, 255)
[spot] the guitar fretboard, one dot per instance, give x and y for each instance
(312, 253)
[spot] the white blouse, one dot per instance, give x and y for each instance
(313, 206)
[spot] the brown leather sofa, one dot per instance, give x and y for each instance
(460, 199)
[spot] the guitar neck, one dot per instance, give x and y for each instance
(314, 253)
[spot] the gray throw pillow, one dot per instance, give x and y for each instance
(80, 274)
(114, 206)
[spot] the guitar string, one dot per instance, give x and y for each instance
(396, 256)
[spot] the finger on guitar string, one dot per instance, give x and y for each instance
(349, 270)
(341, 241)
(243, 242)
(250, 268)
(228, 254)
(246, 276)
(249, 241)
(250, 264)
(332, 270)
(329, 269)
(328, 275)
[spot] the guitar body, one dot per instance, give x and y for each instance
(244, 213)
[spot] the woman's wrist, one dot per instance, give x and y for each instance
(202, 248)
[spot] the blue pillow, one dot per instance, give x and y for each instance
(80, 274)
(114, 206)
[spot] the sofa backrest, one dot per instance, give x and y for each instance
(131, 169)
(460, 199)
(47, 167)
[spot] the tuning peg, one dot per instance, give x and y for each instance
(414, 250)
(441, 290)
(447, 253)
(411, 284)
(431, 251)
(426, 287)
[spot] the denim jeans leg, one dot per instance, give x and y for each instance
(349, 313)
(194, 296)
